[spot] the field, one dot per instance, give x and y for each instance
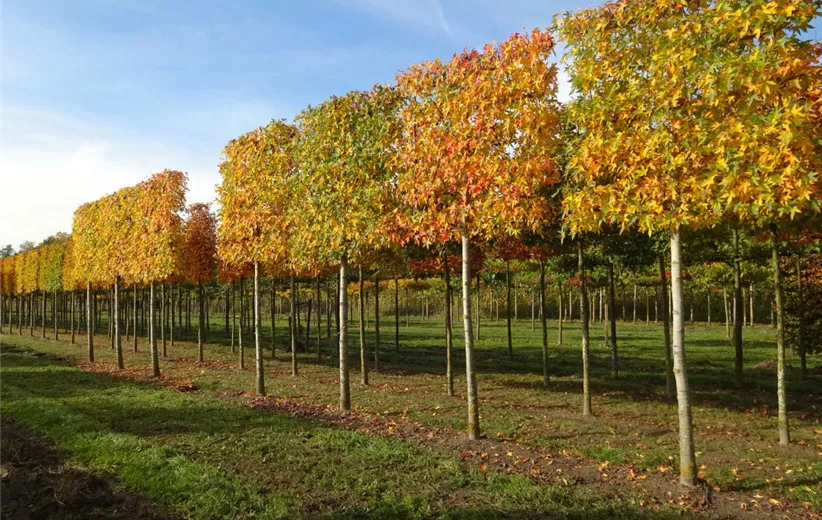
(198, 444)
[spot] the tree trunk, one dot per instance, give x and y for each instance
(258, 344)
(55, 301)
(508, 307)
(784, 430)
(118, 344)
(43, 316)
(727, 312)
(709, 306)
(294, 331)
(479, 314)
(200, 323)
(227, 291)
(751, 304)
(738, 312)
(543, 311)
(635, 304)
(89, 324)
(666, 327)
(134, 311)
(803, 355)
(449, 331)
(687, 459)
(163, 318)
(319, 322)
(470, 376)
(396, 313)
(612, 307)
(376, 323)
(152, 337)
(585, 338)
(345, 389)
(363, 362)
(73, 305)
(233, 317)
(559, 317)
(240, 328)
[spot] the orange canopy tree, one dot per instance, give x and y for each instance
(200, 257)
(477, 152)
(343, 197)
(257, 171)
(688, 113)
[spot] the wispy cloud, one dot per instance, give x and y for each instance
(426, 15)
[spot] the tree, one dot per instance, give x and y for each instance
(477, 153)
(200, 256)
(257, 170)
(343, 197)
(689, 114)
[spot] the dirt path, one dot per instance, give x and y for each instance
(38, 484)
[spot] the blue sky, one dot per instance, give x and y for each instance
(99, 94)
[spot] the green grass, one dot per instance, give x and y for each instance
(735, 428)
(207, 458)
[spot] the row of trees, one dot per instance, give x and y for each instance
(689, 119)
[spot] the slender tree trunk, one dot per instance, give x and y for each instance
(559, 317)
(647, 307)
(449, 331)
(233, 317)
(309, 307)
(612, 307)
(363, 362)
(152, 336)
(803, 355)
(319, 322)
(227, 291)
(73, 305)
(584, 332)
(200, 322)
(533, 309)
(55, 305)
(709, 306)
(508, 307)
(376, 323)
(543, 311)
(294, 330)
(89, 324)
(687, 458)
(258, 344)
(345, 388)
(396, 313)
(134, 310)
(784, 430)
(240, 328)
(43, 315)
(751, 304)
(470, 376)
(727, 312)
(479, 311)
(163, 317)
(666, 328)
(738, 313)
(118, 344)
(635, 304)
(272, 309)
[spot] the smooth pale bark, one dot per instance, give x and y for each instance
(738, 312)
(727, 312)
(342, 324)
(258, 344)
(294, 331)
(376, 323)
(152, 336)
(803, 355)
(363, 362)
(319, 321)
(134, 311)
(559, 317)
(687, 458)
(396, 313)
(470, 376)
(666, 328)
(73, 305)
(584, 331)
(200, 322)
(751, 306)
(240, 327)
(612, 319)
(163, 318)
(709, 306)
(449, 331)
(784, 429)
(118, 344)
(508, 307)
(89, 323)
(478, 308)
(543, 312)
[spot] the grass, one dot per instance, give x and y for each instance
(735, 428)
